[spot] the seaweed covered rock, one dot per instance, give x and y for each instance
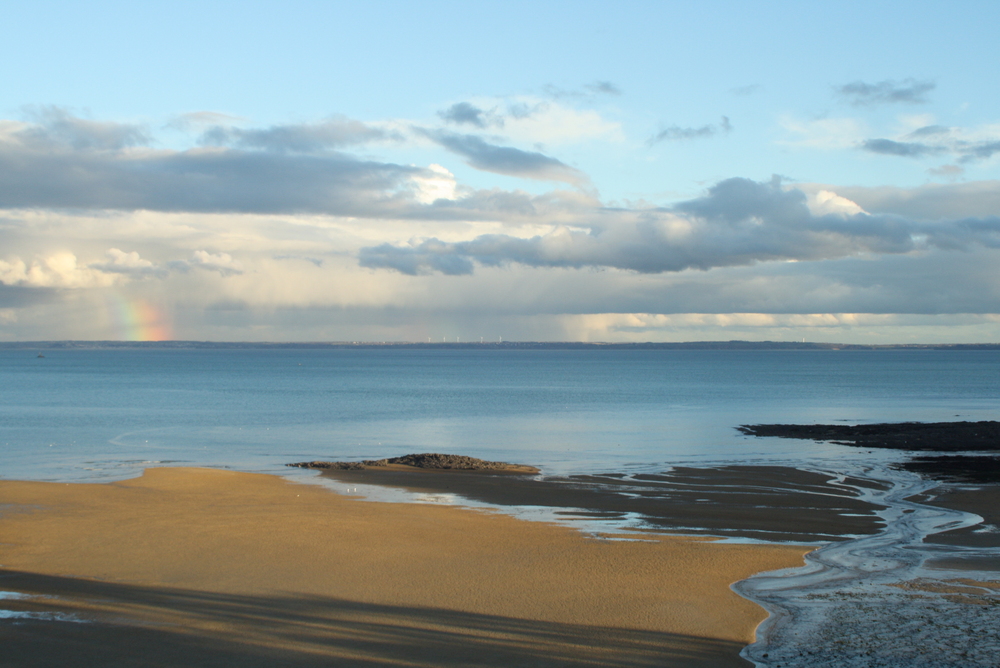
(427, 460)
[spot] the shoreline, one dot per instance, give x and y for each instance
(934, 561)
(220, 566)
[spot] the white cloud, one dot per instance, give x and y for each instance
(531, 120)
(130, 264)
(220, 262)
(825, 202)
(58, 270)
(438, 184)
(534, 121)
(824, 133)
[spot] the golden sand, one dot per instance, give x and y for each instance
(210, 567)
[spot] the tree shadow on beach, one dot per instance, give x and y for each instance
(128, 625)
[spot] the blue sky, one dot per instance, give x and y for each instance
(584, 171)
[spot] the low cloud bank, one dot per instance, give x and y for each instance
(738, 222)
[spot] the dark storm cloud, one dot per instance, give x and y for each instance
(907, 91)
(505, 159)
(677, 133)
(302, 138)
(464, 113)
(739, 222)
(903, 149)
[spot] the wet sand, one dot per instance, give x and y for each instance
(202, 567)
(981, 500)
(772, 503)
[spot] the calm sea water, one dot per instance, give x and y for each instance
(104, 414)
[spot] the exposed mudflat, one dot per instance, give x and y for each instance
(772, 503)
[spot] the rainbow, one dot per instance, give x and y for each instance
(138, 320)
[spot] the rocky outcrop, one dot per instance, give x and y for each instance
(939, 436)
(427, 460)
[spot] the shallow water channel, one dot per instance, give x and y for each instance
(874, 601)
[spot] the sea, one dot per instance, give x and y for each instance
(71, 414)
(92, 415)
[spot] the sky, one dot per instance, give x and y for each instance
(455, 171)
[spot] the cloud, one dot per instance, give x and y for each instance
(315, 261)
(825, 133)
(201, 119)
(334, 133)
(675, 133)
(964, 145)
(506, 160)
(220, 262)
(929, 202)
(947, 171)
(739, 222)
(438, 184)
(90, 165)
(129, 264)
(603, 88)
(56, 126)
(58, 270)
(535, 121)
(929, 131)
(904, 149)
(464, 113)
(746, 90)
(588, 90)
(978, 151)
(907, 91)
(825, 202)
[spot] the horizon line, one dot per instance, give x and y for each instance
(731, 343)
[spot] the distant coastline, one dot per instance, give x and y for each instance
(505, 345)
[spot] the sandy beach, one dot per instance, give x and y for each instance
(202, 567)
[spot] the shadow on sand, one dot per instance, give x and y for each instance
(129, 625)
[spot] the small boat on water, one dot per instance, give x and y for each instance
(41, 355)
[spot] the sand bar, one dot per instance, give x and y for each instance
(203, 567)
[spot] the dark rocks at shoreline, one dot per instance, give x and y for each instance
(956, 468)
(937, 436)
(427, 460)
